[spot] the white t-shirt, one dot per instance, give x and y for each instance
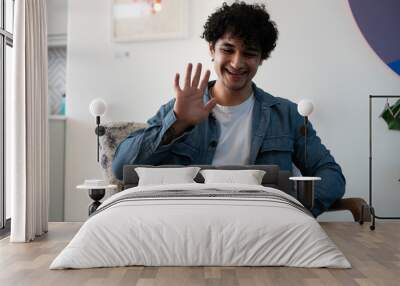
(235, 139)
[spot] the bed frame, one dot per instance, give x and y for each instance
(274, 177)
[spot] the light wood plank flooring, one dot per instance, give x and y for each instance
(374, 255)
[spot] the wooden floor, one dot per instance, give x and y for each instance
(374, 255)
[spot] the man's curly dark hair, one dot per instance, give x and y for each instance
(249, 22)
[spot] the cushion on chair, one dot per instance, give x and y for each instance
(115, 133)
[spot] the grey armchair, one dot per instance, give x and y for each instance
(115, 132)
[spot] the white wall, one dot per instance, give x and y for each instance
(57, 17)
(321, 55)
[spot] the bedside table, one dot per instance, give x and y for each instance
(97, 190)
(305, 190)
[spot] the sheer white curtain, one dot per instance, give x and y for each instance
(29, 132)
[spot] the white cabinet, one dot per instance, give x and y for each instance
(57, 159)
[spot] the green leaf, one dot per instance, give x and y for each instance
(393, 123)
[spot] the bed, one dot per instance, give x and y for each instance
(199, 224)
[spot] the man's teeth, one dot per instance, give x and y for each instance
(236, 73)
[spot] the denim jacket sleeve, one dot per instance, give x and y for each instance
(144, 146)
(319, 163)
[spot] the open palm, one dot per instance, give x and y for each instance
(189, 106)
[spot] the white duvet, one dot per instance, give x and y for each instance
(200, 231)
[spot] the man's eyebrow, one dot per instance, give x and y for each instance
(248, 49)
(228, 45)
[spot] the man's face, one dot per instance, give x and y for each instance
(234, 63)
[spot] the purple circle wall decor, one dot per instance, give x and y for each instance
(379, 22)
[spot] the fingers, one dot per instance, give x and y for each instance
(196, 77)
(188, 75)
(204, 81)
(176, 82)
(210, 105)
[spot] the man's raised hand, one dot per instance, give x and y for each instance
(189, 106)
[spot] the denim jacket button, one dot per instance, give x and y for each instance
(213, 144)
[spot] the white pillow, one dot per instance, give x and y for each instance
(249, 177)
(164, 176)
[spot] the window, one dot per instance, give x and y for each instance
(6, 44)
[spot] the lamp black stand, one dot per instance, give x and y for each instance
(100, 131)
(371, 208)
(304, 133)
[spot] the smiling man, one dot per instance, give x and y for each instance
(231, 121)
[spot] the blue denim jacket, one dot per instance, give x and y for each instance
(276, 139)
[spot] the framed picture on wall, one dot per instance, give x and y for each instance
(142, 20)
